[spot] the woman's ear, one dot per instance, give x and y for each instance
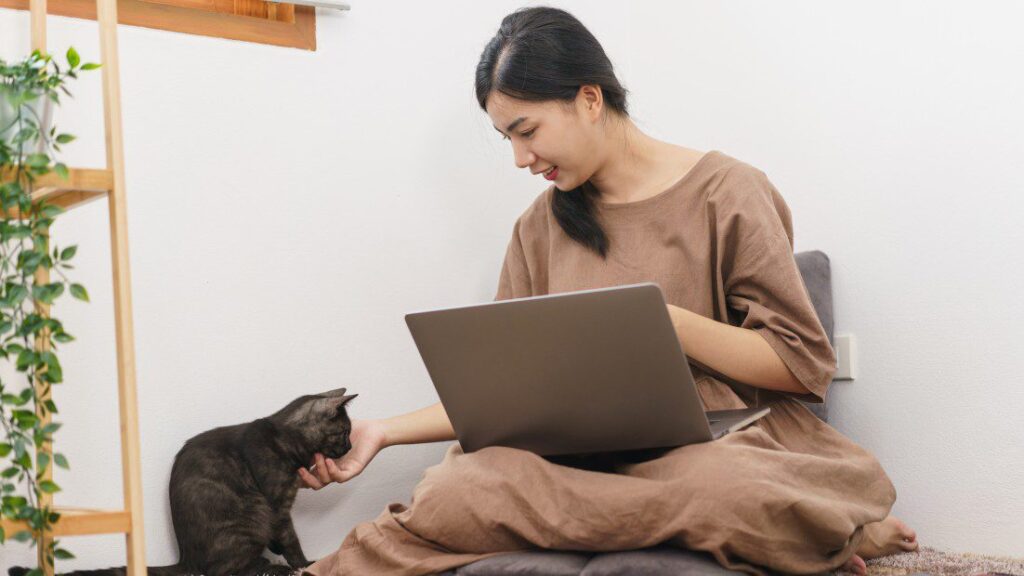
(590, 101)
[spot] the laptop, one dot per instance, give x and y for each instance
(571, 373)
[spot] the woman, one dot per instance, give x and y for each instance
(788, 493)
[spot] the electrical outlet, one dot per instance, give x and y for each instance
(846, 355)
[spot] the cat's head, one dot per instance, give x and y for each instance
(319, 422)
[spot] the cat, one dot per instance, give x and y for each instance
(232, 490)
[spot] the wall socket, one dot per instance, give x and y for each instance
(846, 356)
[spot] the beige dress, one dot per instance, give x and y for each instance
(789, 493)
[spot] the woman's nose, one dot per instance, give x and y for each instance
(524, 158)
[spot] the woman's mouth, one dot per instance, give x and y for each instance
(552, 173)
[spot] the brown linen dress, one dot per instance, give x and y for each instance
(789, 493)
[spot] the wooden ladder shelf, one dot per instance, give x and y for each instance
(81, 186)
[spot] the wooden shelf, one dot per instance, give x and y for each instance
(82, 185)
(79, 521)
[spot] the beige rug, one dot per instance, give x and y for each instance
(938, 563)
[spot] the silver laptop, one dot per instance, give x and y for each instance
(571, 373)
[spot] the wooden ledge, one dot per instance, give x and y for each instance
(82, 185)
(78, 522)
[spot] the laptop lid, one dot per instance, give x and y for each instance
(570, 373)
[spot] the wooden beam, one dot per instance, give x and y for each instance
(294, 27)
(79, 522)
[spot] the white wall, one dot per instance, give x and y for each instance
(287, 207)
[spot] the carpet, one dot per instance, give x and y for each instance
(933, 562)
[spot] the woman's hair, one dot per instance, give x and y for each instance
(545, 54)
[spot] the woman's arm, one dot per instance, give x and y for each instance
(430, 424)
(738, 353)
(370, 436)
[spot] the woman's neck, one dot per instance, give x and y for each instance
(637, 166)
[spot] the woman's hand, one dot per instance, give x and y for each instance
(367, 437)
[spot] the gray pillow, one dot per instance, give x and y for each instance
(657, 561)
(527, 563)
(817, 275)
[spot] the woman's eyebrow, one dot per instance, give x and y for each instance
(513, 125)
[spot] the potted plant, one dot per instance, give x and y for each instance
(29, 335)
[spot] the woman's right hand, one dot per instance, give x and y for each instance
(367, 438)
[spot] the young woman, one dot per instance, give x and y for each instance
(789, 493)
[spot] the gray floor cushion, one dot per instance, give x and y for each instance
(531, 563)
(656, 561)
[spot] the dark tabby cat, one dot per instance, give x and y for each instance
(232, 490)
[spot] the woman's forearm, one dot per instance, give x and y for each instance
(738, 353)
(430, 424)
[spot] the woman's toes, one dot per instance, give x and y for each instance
(909, 545)
(856, 565)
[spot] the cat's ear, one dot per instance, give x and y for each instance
(335, 392)
(335, 403)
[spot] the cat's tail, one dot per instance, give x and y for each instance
(172, 570)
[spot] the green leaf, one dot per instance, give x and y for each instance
(5, 449)
(62, 554)
(51, 428)
(62, 337)
(42, 461)
(90, 66)
(16, 501)
(25, 419)
(48, 486)
(73, 58)
(37, 160)
(68, 253)
(61, 169)
(78, 291)
(29, 261)
(61, 461)
(23, 536)
(26, 358)
(65, 138)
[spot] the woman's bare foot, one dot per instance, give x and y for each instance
(889, 536)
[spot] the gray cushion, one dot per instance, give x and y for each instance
(528, 563)
(657, 561)
(817, 275)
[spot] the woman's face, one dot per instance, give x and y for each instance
(551, 134)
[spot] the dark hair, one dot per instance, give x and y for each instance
(543, 54)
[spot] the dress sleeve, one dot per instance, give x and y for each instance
(764, 290)
(514, 280)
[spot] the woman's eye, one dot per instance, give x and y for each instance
(526, 134)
